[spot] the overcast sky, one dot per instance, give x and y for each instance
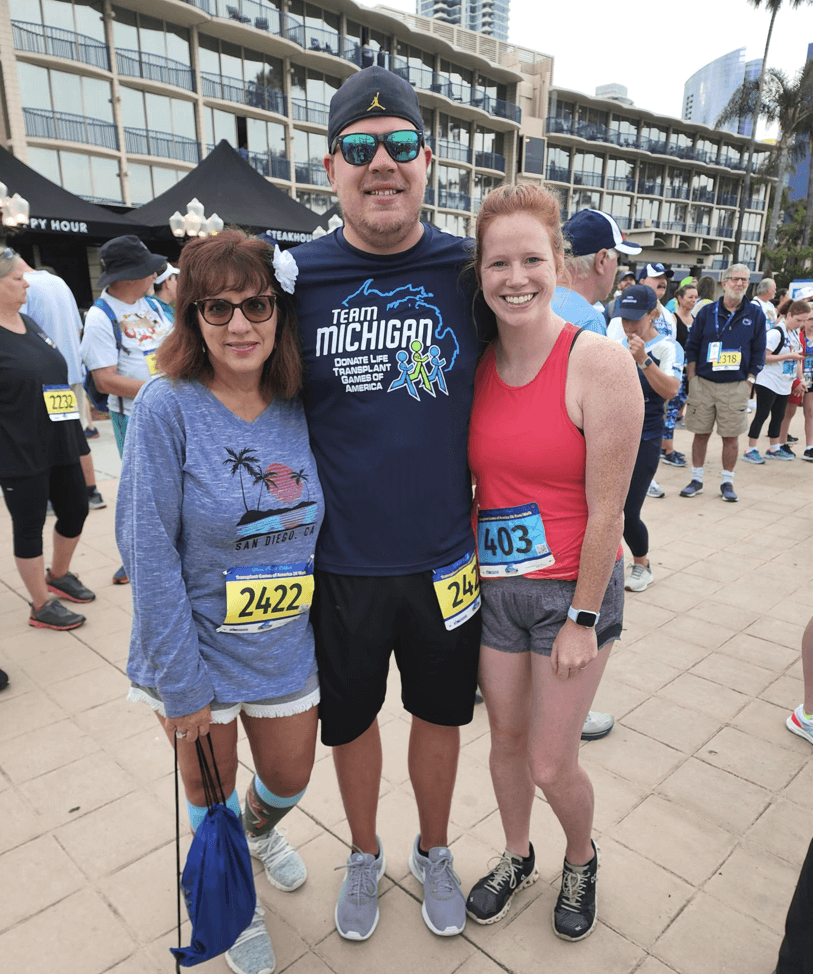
(596, 42)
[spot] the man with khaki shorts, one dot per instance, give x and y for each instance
(725, 352)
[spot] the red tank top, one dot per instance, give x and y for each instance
(524, 447)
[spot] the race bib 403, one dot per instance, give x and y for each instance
(511, 541)
(266, 596)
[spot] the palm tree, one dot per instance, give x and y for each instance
(789, 103)
(263, 478)
(239, 461)
(300, 477)
(774, 7)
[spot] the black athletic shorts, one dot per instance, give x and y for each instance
(358, 621)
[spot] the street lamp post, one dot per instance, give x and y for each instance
(194, 223)
(15, 209)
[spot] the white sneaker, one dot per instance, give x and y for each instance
(655, 490)
(283, 865)
(639, 578)
(252, 952)
(752, 405)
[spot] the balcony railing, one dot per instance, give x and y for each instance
(490, 160)
(701, 229)
(650, 189)
(676, 226)
(653, 145)
(703, 195)
(453, 150)
(155, 67)
(644, 223)
(304, 110)
(429, 196)
(454, 201)
(750, 234)
(624, 222)
(726, 199)
(559, 125)
(312, 173)
(676, 192)
(268, 164)
(558, 174)
(626, 140)
(505, 109)
(581, 178)
(723, 232)
(755, 204)
(592, 131)
(243, 92)
(626, 183)
(60, 43)
(43, 124)
(732, 162)
(146, 142)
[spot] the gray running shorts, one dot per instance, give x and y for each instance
(522, 614)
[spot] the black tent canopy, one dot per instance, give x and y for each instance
(57, 212)
(228, 185)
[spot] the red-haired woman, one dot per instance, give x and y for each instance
(218, 511)
(553, 437)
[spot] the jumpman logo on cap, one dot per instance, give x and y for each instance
(375, 103)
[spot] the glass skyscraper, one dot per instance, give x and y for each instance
(709, 90)
(486, 16)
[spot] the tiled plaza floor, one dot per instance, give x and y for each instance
(702, 795)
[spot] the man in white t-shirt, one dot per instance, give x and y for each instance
(766, 292)
(129, 272)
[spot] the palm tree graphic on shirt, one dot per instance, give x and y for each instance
(279, 484)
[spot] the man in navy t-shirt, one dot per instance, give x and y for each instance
(390, 349)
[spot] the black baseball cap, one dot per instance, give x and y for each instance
(372, 93)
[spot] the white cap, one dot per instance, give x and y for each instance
(169, 271)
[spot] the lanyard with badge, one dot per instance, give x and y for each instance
(723, 359)
(262, 597)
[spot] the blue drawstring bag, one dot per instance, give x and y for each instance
(217, 880)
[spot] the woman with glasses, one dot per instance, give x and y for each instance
(218, 511)
(41, 441)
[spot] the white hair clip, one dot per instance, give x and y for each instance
(285, 268)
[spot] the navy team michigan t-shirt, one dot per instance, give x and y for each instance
(389, 350)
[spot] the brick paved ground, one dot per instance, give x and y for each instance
(703, 797)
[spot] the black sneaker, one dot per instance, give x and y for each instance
(793, 439)
(808, 454)
(95, 501)
(692, 489)
(68, 587)
(786, 449)
(574, 916)
(3, 679)
(53, 615)
(490, 897)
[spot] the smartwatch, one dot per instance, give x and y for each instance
(646, 363)
(583, 617)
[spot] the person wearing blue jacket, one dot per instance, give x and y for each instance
(725, 352)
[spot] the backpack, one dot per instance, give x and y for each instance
(781, 330)
(99, 399)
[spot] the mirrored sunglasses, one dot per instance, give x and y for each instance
(219, 311)
(359, 148)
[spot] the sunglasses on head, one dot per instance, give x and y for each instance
(219, 311)
(8, 253)
(359, 148)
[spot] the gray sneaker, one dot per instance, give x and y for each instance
(283, 864)
(444, 905)
(356, 912)
(252, 952)
(597, 725)
(68, 587)
(53, 615)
